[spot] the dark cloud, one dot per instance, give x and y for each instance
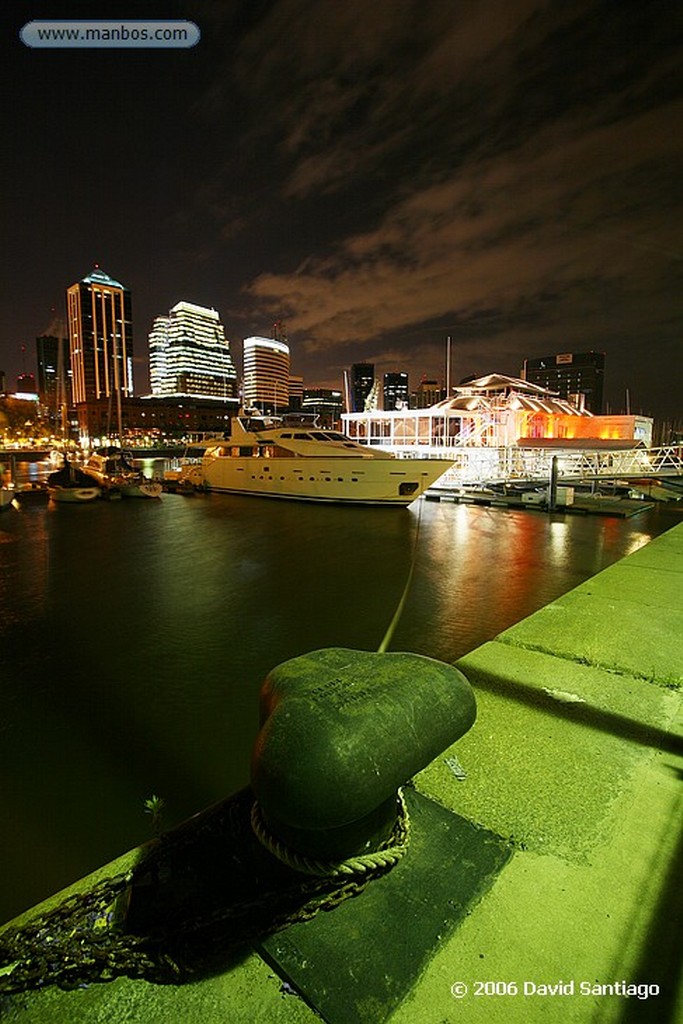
(380, 175)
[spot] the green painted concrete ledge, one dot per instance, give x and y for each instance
(575, 760)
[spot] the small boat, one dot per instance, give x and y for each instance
(291, 456)
(70, 484)
(185, 474)
(114, 472)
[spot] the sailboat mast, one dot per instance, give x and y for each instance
(61, 387)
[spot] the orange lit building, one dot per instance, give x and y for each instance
(496, 411)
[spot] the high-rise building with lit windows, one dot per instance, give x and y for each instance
(427, 393)
(100, 337)
(54, 365)
(577, 377)
(395, 391)
(189, 354)
(362, 379)
(296, 392)
(266, 374)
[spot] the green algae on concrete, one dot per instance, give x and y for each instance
(249, 992)
(628, 619)
(550, 918)
(606, 633)
(356, 964)
(545, 772)
(582, 766)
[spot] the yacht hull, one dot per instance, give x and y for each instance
(353, 481)
(74, 495)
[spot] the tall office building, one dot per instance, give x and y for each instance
(427, 393)
(189, 354)
(296, 392)
(395, 392)
(572, 375)
(266, 374)
(326, 403)
(100, 337)
(362, 379)
(54, 365)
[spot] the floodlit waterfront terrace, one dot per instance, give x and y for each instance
(495, 411)
(499, 428)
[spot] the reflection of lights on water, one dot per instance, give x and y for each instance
(559, 536)
(638, 540)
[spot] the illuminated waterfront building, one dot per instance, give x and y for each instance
(266, 374)
(189, 354)
(577, 377)
(100, 337)
(495, 411)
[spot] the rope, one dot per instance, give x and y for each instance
(389, 853)
(404, 596)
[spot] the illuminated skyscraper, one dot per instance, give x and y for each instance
(54, 372)
(54, 366)
(266, 373)
(575, 376)
(100, 337)
(189, 354)
(296, 392)
(326, 403)
(395, 391)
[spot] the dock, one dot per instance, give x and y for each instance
(581, 503)
(542, 882)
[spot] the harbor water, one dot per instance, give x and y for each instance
(135, 636)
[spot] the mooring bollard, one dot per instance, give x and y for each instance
(341, 732)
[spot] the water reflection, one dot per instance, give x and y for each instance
(135, 637)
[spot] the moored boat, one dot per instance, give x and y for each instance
(293, 457)
(72, 485)
(115, 473)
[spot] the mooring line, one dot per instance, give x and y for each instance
(404, 596)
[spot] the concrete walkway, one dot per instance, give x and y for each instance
(575, 760)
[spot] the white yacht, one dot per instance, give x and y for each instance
(292, 457)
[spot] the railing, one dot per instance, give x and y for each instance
(517, 464)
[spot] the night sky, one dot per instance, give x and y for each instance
(377, 175)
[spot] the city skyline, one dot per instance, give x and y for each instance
(506, 174)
